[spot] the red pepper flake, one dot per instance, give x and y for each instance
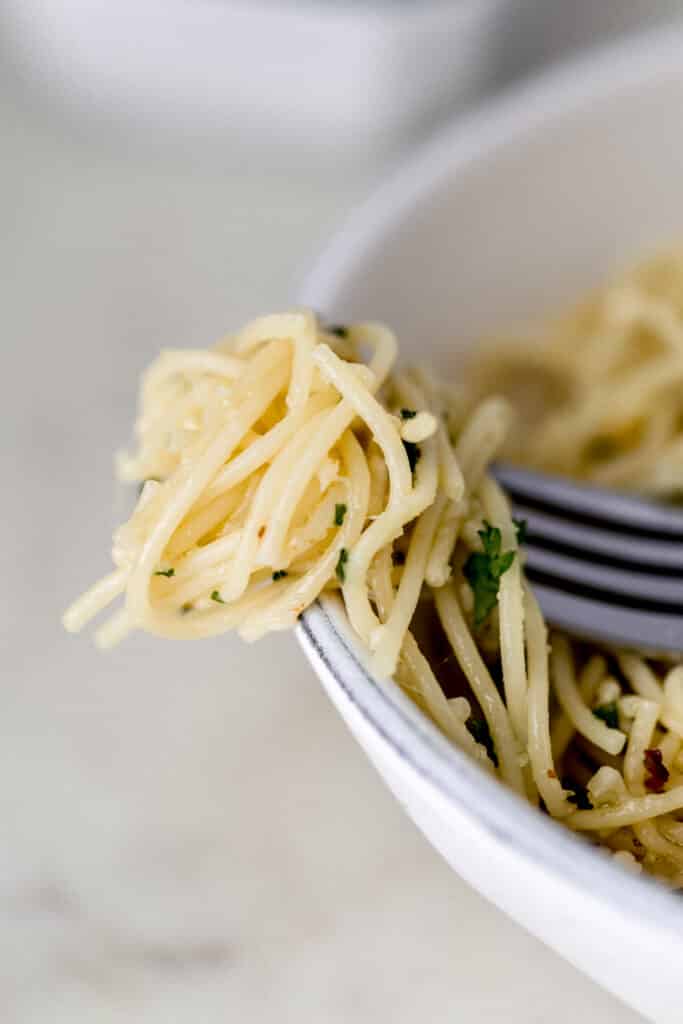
(656, 772)
(551, 774)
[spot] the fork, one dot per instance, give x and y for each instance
(604, 565)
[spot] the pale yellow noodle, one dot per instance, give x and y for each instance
(321, 439)
(639, 739)
(283, 468)
(510, 611)
(266, 447)
(438, 570)
(419, 670)
(271, 485)
(300, 593)
(540, 751)
(562, 728)
(479, 678)
(188, 488)
(634, 809)
(197, 524)
(388, 637)
(94, 600)
(569, 696)
(640, 676)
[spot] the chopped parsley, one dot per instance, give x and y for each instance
(483, 570)
(413, 452)
(408, 414)
(216, 596)
(656, 772)
(339, 330)
(609, 714)
(165, 572)
(398, 557)
(339, 513)
(478, 729)
(341, 565)
(279, 574)
(577, 795)
(520, 530)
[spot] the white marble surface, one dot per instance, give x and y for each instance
(188, 832)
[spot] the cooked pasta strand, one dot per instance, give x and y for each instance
(292, 458)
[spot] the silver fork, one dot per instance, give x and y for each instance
(603, 565)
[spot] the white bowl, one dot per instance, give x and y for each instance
(513, 211)
(242, 70)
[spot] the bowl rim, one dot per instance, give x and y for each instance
(393, 719)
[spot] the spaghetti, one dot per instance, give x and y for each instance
(294, 458)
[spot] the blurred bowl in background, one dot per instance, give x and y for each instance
(352, 80)
(347, 79)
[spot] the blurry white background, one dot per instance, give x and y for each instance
(189, 834)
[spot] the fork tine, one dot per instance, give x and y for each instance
(604, 566)
(642, 587)
(549, 527)
(613, 625)
(591, 503)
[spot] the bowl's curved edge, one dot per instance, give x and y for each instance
(567, 84)
(393, 719)
(397, 723)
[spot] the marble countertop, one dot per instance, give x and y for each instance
(189, 834)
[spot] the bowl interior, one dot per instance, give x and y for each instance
(508, 215)
(516, 212)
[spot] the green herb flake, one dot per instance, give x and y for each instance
(478, 729)
(185, 608)
(165, 572)
(608, 713)
(483, 570)
(216, 596)
(338, 330)
(340, 571)
(339, 513)
(279, 574)
(408, 414)
(520, 530)
(413, 452)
